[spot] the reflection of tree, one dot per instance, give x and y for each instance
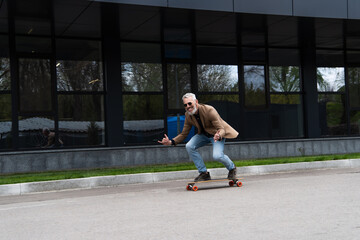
(141, 77)
(178, 83)
(81, 107)
(219, 98)
(354, 86)
(145, 107)
(93, 134)
(254, 81)
(5, 80)
(284, 79)
(212, 78)
(79, 76)
(5, 84)
(285, 99)
(330, 79)
(5, 107)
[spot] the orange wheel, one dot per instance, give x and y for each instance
(239, 184)
(195, 188)
(231, 183)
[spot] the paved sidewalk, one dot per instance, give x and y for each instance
(107, 181)
(314, 204)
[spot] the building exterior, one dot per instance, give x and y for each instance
(111, 73)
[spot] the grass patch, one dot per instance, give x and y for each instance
(61, 175)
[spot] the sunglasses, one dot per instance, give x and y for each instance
(188, 104)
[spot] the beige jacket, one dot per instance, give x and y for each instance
(211, 121)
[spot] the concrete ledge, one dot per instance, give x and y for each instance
(94, 182)
(109, 157)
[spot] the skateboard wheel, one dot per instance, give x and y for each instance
(195, 188)
(239, 184)
(188, 187)
(231, 183)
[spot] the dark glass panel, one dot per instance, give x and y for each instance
(71, 49)
(143, 118)
(177, 51)
(353, 57)
(329, 58)
(216, 55)
(253, 30)
(332, 114)
(35, 85)
(282, 31)
(177, 17)
(33, 8)
(140, 52)
(33, 27)
(284, 57)
(139, 23)
(33, 45)
(4, 17)
(286, 115)
(352, 42)
(355, 122)
(215, 27)
(181, 35)
(81, 120)
(226, 105)
(80, 18)
(257, 125)
(5, 121)
(329, 33)
(253, 54)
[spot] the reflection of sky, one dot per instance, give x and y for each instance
(233, 74)
(334, 77)
(254, 75)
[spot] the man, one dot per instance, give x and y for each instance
(50, 137)
(211, 129)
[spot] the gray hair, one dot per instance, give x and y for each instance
(187, 95)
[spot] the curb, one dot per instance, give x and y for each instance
(107, 181)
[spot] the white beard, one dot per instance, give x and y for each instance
(193, 111)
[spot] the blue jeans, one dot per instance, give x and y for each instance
(200, 140)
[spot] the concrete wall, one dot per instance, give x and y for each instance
(34, 161)
(305, 8)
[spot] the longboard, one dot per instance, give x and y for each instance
(192, 185)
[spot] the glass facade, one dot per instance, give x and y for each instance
(250, 67)
(5, 84)
(80, 92)
(142, 87)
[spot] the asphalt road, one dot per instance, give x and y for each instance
(314, 204)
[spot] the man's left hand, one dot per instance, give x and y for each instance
(217, 136)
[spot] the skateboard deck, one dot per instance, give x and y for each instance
(232, 182)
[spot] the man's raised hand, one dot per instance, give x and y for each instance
(165, 140)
